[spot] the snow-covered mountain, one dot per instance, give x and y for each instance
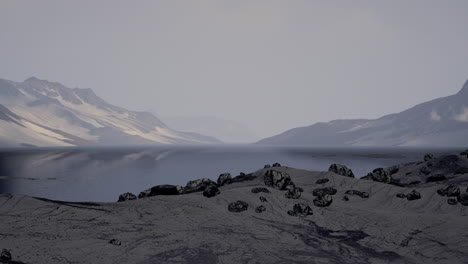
(440, 122)
(42, 113)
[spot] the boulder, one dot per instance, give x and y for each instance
(323, 191)
(267, 166)
(263, 199)
(126, 197)
(428, 157)
(161, 190)
(452, 201)
(341, 170)
(379, 175)
(463, 199)
(449, 191)
(276, 165)
(413, 195)
(301, 210)
(323, 201)
(238, 206)
(358, 193)
(198, 185)
(115, 242)
(224, 179)
(211, 190)
(5, 255)
(260, 209)
(293, 193)
(345, 198)
(401, 195)
(260, 189)
(278, 180)
(322, 181)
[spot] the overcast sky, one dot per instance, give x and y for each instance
(272, 65)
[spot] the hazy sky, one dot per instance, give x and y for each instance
(272, 65)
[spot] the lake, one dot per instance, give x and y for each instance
(101, 174)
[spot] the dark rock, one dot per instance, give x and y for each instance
(161, 190)
(263, 199)
(198, 185)
(345, 198)
(224, 179)
(5, 255)
(238, 206)
(267, 166)
(463, 199)
(276, 179)
(341, 170)
(393, 170)
(322, 181)
(413, 195)
(358, 193)
(115, 242)
(293, 193)
(401, 195)
(243, 177)
(428, 157)
(379, 175)
(323, 200)
(425, 171)
(452, 201)
(260, 209)
(301, 210)
(127, 197)
(211, 190)
(449, 191)
(460, 170)
(323, 191)
(260, 189)
(436, 178)
(276, 165)
(464, 153)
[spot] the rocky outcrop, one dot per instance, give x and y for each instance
(301, 210)
(428, 157)
(293, 193)
(211, 190)
(198, 185)
(341, 170)
(242, 177)
(322, 181)
(5, 255)
(161, 190)
(267, 166)
(224, 179)
(260, 189)
(449, 191)
(276, 165)
(379, 175)
(358, 193)
(260, 209)
(323, 200)
(413, 195)
(262, 199)
(323, 191)
(276, 179)
(115, 242)
(238, 206)
(127, 197)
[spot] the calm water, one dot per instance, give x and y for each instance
(101, 174)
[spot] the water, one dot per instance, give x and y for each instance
(101, 174)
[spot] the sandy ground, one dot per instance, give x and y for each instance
(192, 228)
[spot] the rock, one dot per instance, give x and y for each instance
(263, 199)
(323, 201)
(267, 166)
(379, 175)
(224, 179)
(464, 153)
(345, 198)
(301, 210)
(341, 170)
(401, 195)
(126, 197)
(322, 181)
(276, 165)
(449, 191)
(463, 199)
(358, 193)
(260, 189)
(5, 255)
(452, 201)
(293, 193)
(436, 178)
(238, 206)
(323, 191)
(260, 209)
(115, 242)
(425, 171)
(198, 185)
(393, 170)
(161, 190)
(243, 177)
(276, 179)
(413, 195)
(428, 157)
(211, 190)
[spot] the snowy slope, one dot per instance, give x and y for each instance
(36, 105)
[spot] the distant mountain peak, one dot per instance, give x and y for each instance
(464, 90)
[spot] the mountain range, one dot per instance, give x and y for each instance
(42, 113)
(440, 122)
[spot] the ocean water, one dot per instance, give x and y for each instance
(101, 174)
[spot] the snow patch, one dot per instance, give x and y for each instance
(435, 116)
(463, 116)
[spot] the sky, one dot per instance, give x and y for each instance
(270, 65)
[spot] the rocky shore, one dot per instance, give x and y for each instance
(408, 213)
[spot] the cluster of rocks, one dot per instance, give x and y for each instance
(282, 181)
(341, 170)
(358, 193)
(428, 157)
(379, 175)
(456, 195)
(323, 196)
(115, 242)
(273, 165)
(238, 206)
(413, 195)
(5, 255)
(464, 153)
(301, 210)
(260, 189)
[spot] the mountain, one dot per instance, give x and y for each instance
(42, 113)
(440, 122)
(226, 130)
